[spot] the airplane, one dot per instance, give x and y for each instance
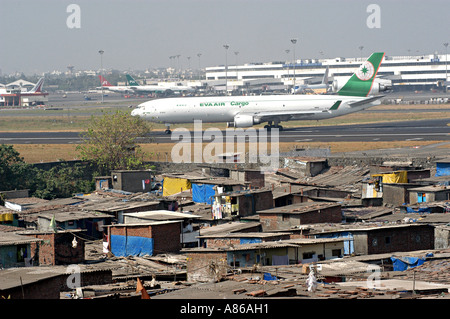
(36, 89)
(246, 111)
(321, 88)
(14, 97)
(158, 88)
(114, 88)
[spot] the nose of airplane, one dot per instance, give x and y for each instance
(136, 112)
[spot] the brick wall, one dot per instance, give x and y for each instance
(166, 238)
(56, 249)
(43, 253)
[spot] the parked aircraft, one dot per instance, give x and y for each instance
(169, 88)
(321, 88)
(246, 111)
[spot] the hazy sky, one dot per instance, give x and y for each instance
(140, 34)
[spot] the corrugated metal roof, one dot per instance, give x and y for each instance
(162, 214)
(298, 208)
(8, 239)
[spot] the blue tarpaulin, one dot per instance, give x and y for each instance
(131, 245)
(404, 263)
(442, 169)
(203, 193)
(418, 210)
(268, 276)
(249, 241)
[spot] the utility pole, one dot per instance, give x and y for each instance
(294, 41)
(226, 46)
(446, 77)
(101, 69)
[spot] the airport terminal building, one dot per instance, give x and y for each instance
(402, 73)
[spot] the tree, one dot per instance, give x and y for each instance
(63, 181)
(111, 141)
(15, 173)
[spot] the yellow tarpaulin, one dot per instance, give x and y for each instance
(175, 185)
(6, 217)
(394, 178)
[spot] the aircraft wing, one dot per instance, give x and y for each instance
(365, 101)
(288, 115)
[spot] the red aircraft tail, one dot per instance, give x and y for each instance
(103, 81)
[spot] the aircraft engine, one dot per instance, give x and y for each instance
(377, 87)
(243, 121)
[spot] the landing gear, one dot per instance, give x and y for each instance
(270, 126)
(167, 131)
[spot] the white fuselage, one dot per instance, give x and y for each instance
(119, 89)
(162, 88)
(224, 109)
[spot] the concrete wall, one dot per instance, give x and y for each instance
(442, 237)
(131, 181)
(396, 194)
(430, 196)
(249, 205)
(206, 266)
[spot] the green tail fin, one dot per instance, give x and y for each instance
(131, 81)
(361, 81)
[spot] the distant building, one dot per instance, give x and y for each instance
(429, 194)
(91, 222)
(60, 248)
(369, 240)
(241, 204)
(15, 250)
(47, 282)
(206, 264)
(142, 239)
(132, 180)
(292, 216)
(189, 232)
(254, 178)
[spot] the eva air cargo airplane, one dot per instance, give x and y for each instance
(246, 111)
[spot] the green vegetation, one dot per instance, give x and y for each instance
(58, 182)
(111, 141)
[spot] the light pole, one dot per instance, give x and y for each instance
(101, 68)
(236, 54)
(446, 45)
(287, 52)
(360, 49)
(294, 41)
(199, 66)
(178, 65)
(226, 46)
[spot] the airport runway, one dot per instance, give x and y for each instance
(422, 130)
